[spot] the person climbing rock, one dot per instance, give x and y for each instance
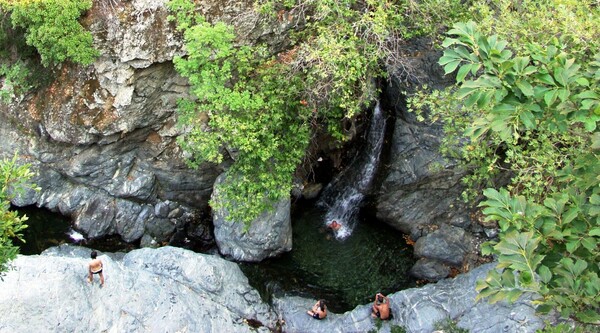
(381, 307)
(95, 267)
(319, 310)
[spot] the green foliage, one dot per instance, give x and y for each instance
(14, 179)
(563, 268)
(254, 114)
(15, 80)
(449, 326)
(49, 27)
(544, 22)
(538, 110)
(263, 110)
(569, 327)
(52, 28)
(397, 329)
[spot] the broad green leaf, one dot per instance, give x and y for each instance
(449, 42)
(545, 274)
(579, 267)
(563, 95)
(583, 82)
(473, 98)
(504, 108)
(573, 245)
(525, 87)
(485, 98)
(589, 243)
(550, 97)
(588, 316)
(508, 279)
(588, 94)
(527, 119)
(462, 72)
(521, 63)
(590, 124)
(546, 78)
(449, 56)
(513, 295)
(465, 91)
(570, 215)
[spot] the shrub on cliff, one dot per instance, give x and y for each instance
(52, 27)
(14, 179)
(531, 110)
(49, 28)
(262, 110)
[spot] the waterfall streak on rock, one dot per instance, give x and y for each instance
(344, 195)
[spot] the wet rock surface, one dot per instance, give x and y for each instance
(420, 191)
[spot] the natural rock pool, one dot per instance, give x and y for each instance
(375, 258)
(346, 273)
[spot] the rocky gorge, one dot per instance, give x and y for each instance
(175, 290)
(102, 140)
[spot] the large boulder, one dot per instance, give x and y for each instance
(420, 188)
(148, 290)
(447, 244)
(418, 310)
(268, 235)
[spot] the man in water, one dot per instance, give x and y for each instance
(381, 307)
(334, 225)
(95, 267)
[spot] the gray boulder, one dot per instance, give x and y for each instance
(419, 309)
(267, 236)
(148, 290)
(420, 187)
(447, 244)
(429, 269)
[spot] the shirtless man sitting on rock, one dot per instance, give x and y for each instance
(95, 267)
(381, 307)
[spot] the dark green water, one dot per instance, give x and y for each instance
(375, 258)
(46, 229)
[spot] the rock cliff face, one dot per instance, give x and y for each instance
(148, 290)
(420, 191)
(176, 290)
(102, 138)
(419, 310)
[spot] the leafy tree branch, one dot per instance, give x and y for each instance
(14, 179)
